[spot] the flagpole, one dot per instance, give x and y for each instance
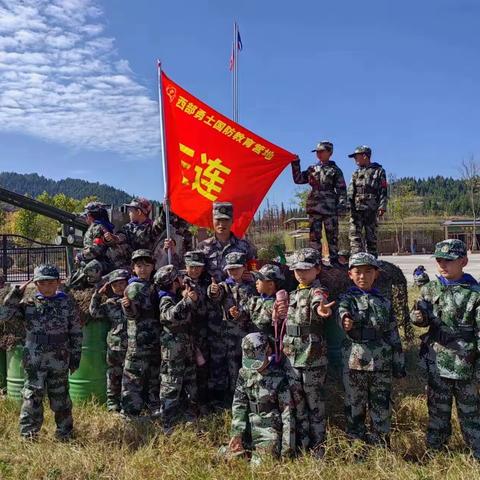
(235, 72)
(163, 153)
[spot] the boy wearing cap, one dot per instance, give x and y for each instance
(450, 307)
(53, 346)
(140, 381)
(367, 195)
(111, 309)
(233, 295)
(304, 344)
(372, 352)
(327, 198)
(178, 372)
(262, 404)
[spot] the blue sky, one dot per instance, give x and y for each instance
(78, 91)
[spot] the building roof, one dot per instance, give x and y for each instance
(460, 223)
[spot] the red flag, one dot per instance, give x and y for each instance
(210, 159)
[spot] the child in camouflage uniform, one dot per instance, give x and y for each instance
(372, 352)
(326, 200)
(178, 372)
(262, 405)
(367, 195)
(52, 349)
(450, 307)
(140, 382)
(304, 344)
(112, 311)
(233, 295)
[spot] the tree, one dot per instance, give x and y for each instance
(470, 171)
(401, 206)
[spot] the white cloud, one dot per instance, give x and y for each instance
(62, 80)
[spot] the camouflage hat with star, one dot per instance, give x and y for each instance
(361, 149)
(304, 259)
(235, 260)
(324, 145)
(269, 272)
(141, 203)
(363, 258)
(45, 272)
(223, 210)
(116, 275)
(195, 258)
(142, 253)
(93, 207)
(451, 249)
(166, 275)
(254, 350)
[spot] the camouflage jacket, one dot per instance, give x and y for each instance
(141, 235)
(204, 307)
(452, 313)
(46, 318)
(215, 254)
(374, 343)
(368, 188)
(263, 402)
(234, 294)
(329, 190)
(112, 311)
(260, 311)
(304, 343)
(94, 245)
(143, 326)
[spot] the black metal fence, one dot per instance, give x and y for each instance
(20, 255)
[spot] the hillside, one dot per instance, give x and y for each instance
(34, 185)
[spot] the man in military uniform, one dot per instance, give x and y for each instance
(450, 307)
(262, 405)
(327, 198)
(372, 352)
(52, 349)
(111, 310)
(367, 195)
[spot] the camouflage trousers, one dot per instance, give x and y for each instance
(309, 403)
(46, 372)
(115, 364)
(361, 220)
(440, 394)
(202, 344)
(178, 376)
(141, 382)
(331, 232)
(372, 390)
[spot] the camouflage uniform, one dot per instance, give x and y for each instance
(372, 352)
(420, 276)
(367, 194)
(140, 382)
(226, 352)
(305, 348)
(112, 311)
(262, 404)
(450, 351)
(53, 346)
(327, 198)
(178, 371)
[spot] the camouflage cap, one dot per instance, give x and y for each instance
(450, 249)
(142, 253)
(254, 350)
(166, 275)
(235, 260)
(115, 275)
(93, 207)
(363, 258)
(141, 203)
(324, 145)
(223, 210)
(361, 149)
(304, 259)
(269, 272)
(344, 253)
(195, 258)
(45, 272)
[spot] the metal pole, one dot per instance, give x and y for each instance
(166, 203)
(235, 71)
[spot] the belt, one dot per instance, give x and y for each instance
(365, 334)
(260, 407)
(47, 339)
(300, 330)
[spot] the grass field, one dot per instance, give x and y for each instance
(106, 447)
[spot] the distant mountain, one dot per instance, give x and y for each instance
(34, 184)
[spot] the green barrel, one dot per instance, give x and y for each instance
(90, 380)
(15, 373)
(3, 369)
